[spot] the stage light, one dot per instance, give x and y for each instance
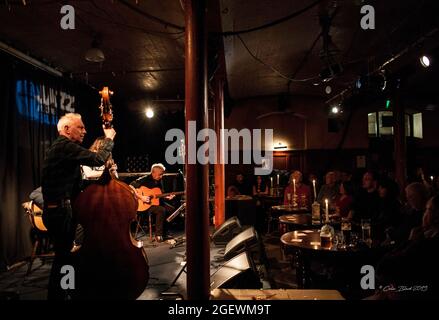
(372, 82)
(328, 89)
(149, 113)
(335, 109)
(425, 61)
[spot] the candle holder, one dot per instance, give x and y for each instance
(303, 202)
(271, 191)
(316, 215)
(294, 203)
(327, 235)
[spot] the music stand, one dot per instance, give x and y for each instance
(182, 207)
(180, 210)
(180, 272)
(172, 217)
(176, 212)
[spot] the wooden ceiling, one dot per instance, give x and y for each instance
(144, 42)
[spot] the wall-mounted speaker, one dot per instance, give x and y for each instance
(246, 240)
(237, 273)
(225, 232)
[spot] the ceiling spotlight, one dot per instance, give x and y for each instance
(335, 110)
(149, 113)
(425, 61)
(372, 82)
(328, 89)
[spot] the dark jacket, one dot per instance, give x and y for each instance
(61, 168)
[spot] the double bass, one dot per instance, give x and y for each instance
(110, 263)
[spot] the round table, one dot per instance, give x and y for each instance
(276, 211)
(290, 222)
(290, 208)
(305, 245)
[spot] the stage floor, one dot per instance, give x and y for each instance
(165, 262)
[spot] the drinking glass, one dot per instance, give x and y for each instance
(346, 228)
(366, 231)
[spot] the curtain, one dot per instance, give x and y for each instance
(31, 102)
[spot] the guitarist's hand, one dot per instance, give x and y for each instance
(170, 197)
(146, 199)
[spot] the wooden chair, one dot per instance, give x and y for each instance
(140, 226)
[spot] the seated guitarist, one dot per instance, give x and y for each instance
(154, 180)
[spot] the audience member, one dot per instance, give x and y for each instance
(411, 213)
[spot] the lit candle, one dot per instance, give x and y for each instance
(294, 186)
(271, 181)
(326, 210)
(314, 186)
(432, 178)
(277, 179)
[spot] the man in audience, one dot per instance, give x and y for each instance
(410, 272)
(412, 213)
(329, 191)
(366, 202)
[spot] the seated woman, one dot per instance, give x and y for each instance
(260, 187)
(232, 191)
(343, 204)
(302, 191)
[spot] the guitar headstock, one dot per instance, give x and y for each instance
(106, 108)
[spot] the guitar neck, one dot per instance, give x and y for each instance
(168, 194)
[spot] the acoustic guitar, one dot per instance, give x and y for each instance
(35, 215)
(155, 194)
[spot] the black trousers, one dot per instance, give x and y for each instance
(159, 212)
(61, 227)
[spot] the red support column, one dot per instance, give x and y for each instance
(197, 175)
(219, 165)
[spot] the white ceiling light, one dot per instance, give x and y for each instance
(425, 61)
(328, 89)
(335, 110)
(149, 113)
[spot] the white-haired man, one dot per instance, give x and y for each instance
(61, 181)
(154, 180)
